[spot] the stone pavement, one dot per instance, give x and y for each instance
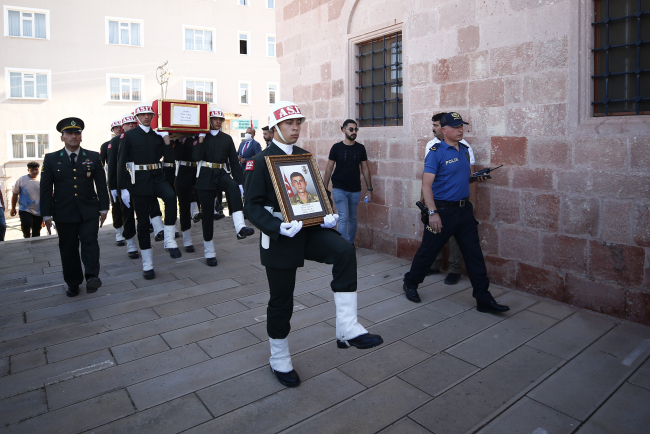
(188, 352)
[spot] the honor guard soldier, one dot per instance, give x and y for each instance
(212, 152)
(74, 194)
(116, 210)
(185, 167)
(445, 187)
(141, 151)
(285, 246)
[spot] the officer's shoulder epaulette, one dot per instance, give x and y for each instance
(467, 146)
(434, 147)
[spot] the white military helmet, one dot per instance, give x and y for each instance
(283, 111)
(116, 123)
(144, 108)
(217, 113)
(128, 118)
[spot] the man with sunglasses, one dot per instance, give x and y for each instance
(350, 160)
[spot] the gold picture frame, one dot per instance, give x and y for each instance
(308, 201)
(191, 130)
(194, 106)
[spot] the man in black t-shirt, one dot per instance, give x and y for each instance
(350, 159)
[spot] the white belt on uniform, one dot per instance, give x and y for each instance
(210, 166)
(180, 163)
(131, 167)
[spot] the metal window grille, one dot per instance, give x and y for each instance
(380, 81)
(621, 57)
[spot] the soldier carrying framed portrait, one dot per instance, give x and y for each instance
(299, 188)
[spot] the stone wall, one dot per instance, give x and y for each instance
(568, 216)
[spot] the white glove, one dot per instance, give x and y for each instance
(241, 189)
(114, 194)
(202, 135)
(290, 229)
(126, 197)
(330, 221)
(162, 133)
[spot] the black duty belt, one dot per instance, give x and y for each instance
(442, 204)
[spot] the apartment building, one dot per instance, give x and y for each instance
(98, 60)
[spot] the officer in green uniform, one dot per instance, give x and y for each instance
(285, 246)
(141, 151)
(74, 194)
(212, 151)
(116, 210)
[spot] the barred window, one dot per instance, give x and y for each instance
(621, 57)
(380, 81)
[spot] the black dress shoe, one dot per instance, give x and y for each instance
(149, 274)
(72, 291)
(189, 249)
(174, 252)
(197, 217)
(245, 232)
(93, 284)
(432, 272)
(289, 379)
(362, 342)
(411, 294)
(176, 235)
(160, 236)
(218, 216)
(452, 279)
(120, 243)
(134, 255)
(491, 307)
(212, 262)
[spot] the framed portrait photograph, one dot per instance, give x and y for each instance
(299, 188)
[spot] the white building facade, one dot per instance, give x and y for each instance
(98, 60)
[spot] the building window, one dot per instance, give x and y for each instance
(242, 2)
(621, 58)
(244, 92)
(28, 145)
(121, 31)
(270, 45)
(125, 88)
(272, 92)
(270, 4)
(28, 84)
(199, 90)
(27, 22)
(198, 39)
(380, 81)
(243, 42)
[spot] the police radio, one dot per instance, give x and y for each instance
(484, 173)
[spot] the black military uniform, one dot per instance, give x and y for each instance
(116, 210)
(185, 185)
(214, 152)
(73, 192)
(145, 150)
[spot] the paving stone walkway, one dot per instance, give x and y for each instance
(188, 352)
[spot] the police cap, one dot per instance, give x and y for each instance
(452, 119)
(70, 125)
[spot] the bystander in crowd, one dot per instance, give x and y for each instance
(26, 194)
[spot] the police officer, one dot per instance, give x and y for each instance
(445, 187)
(212, 152)
(185, 167)
(74, 194)
(116, 211)
(142, 149)
(285, 246)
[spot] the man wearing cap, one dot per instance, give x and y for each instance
(213, 151)
(445, 187)
(285, 246)
(141, 150)
(185, 170)
(74, 194)
(116, 211)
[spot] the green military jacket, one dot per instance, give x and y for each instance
(283, 252)
(69, 193)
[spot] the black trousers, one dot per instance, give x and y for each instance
(143, 207)
(224, 183)
(184, 186)
(128, 216)
(116, 211)
(325, 246)
(461, 224)
(30, 224)
(70, 236)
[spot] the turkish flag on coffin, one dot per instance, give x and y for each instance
(288, 187)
